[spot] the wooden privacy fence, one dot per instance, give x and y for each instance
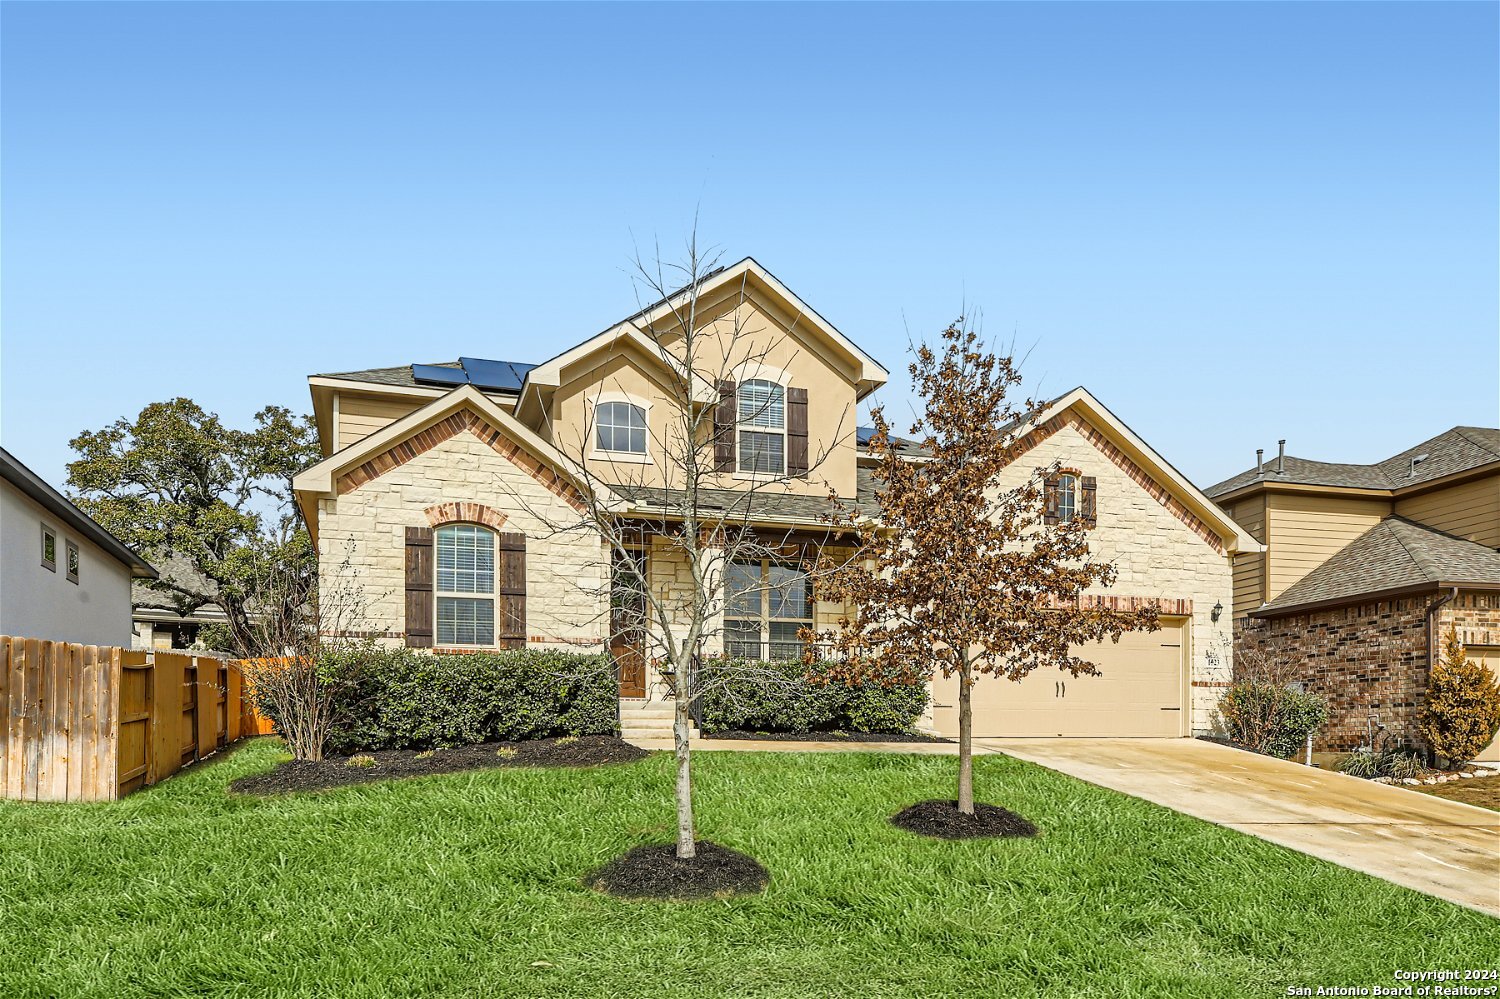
(93, 723)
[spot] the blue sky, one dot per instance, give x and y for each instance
(1232, 222)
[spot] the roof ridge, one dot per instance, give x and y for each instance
(1419, 562)
(1460, 430)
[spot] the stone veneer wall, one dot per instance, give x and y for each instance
(362, 546)
(1157, 553)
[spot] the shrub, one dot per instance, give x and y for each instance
(362, 761)
(772, 697)
(408, 699)
(1462, 712)
(1270, 718)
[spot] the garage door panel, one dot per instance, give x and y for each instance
(1138, 692)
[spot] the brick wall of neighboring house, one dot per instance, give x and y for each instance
(1476, 616)
(1363, 659)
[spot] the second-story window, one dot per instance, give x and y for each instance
(1067, 497)
(620, 426)
(762, 427)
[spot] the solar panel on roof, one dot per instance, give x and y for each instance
(500, 376)
(863, 434)
(436, 374)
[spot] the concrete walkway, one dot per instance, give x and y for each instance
(1440, 847)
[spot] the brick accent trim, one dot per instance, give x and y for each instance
(469, 513)
(420, 443)
(1139, 475)
(1168, 606)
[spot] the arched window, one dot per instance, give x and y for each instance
(1067, 497)
(465, 585)
(620, 426)
(762, 420)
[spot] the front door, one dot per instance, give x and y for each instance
(627, 620)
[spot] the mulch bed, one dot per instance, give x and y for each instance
(655, 872)
(336, 771)
(943, 820)
(826, 736)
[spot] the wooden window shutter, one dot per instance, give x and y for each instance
(796, 432)
(510, 591)
(1087, 507)
(419, 608)
(1049, 500)
(724, 421)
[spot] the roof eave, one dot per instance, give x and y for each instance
(1267, 611)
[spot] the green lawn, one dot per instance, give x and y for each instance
(462, 885)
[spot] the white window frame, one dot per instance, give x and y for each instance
(742, 427)
(1067, 490)
(439, 594)
(626, 457)
(764, 621)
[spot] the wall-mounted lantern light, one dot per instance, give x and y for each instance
(1218, 609)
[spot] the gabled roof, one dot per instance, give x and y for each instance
(872, 372)
(321, 479)
(1137, 451)
(55, 503)
(1449, 453)
(1395, 555)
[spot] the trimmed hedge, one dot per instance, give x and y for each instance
(794, 703)
(406, 699)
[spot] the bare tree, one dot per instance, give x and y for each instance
(681, 504)
(286, 672)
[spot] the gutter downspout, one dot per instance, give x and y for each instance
(1432, 609)
(1432, 638)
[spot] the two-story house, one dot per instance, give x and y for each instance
(449, 509)
(1365, 569)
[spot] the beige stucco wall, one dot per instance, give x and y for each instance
(1155, 555)
(362, 538)
(734, 333)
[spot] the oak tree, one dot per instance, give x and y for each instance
(959, 576)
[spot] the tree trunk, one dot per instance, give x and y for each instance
(686, 844)
(965, 742)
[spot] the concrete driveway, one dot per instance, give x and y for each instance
(1440, 847)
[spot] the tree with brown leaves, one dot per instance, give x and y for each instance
(959, 576)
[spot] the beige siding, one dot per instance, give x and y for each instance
(1302, 531)
(1471, 510)
(361, 416)
(1250, 567)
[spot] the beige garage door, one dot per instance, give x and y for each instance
(1490, 656)
(1139, 692)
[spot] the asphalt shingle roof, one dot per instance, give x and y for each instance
(764, 503)
(1451, 451)
(1394, 554)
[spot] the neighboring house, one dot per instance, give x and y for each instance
(164, 619)
(1365, 568)
(63, 578)
(461, 466)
